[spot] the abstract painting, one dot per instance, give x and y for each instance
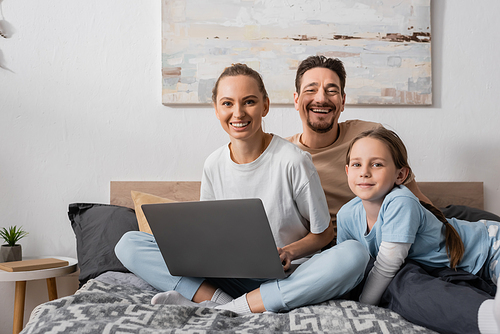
(385, 46)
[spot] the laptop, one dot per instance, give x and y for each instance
(222, 238)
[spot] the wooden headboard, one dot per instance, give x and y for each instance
(175, 190)
(441, 194)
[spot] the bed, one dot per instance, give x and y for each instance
(112, 300)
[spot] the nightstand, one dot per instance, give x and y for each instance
(20, 277)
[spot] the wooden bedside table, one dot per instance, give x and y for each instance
(20, 277)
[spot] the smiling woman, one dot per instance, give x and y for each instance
(240, 102)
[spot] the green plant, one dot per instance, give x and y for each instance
(12, 235)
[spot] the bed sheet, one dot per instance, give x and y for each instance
(120, 302)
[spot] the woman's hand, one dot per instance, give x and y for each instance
(308, 245)
(285, 257)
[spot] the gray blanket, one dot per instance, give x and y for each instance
(111, 306)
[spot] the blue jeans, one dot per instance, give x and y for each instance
(324, 276)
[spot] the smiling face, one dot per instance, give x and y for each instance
(240, 106)
(320, 100)
(371, 172)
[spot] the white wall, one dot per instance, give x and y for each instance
(82, 107)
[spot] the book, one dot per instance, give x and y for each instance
(35, 264)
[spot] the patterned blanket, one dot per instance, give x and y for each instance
(100, 307)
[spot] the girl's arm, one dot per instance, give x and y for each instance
(390, 258)
(309, 244)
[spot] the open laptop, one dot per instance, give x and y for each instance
(223, 238)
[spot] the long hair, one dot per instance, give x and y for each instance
(239, 69)
(333, 64)
(454, 244)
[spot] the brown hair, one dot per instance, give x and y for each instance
(454, 244)
(311, 62)
(239, 69)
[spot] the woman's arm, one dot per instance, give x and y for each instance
(390, 258)
(309, 244)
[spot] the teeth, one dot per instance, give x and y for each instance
(321, 111)
(239, 125)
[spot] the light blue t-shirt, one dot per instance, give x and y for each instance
(403, 219)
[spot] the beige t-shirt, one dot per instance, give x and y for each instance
(330, 163)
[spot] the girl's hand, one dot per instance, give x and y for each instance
(285, 257)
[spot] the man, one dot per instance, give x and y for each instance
(414, 293)
(320, 99)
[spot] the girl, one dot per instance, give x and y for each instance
(256, 164)
(393, 225)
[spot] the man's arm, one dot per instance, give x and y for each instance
(412, 185)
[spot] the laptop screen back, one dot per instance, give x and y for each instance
(224, 238)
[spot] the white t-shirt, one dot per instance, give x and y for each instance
(283, 177)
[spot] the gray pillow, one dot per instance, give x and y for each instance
(98, 227)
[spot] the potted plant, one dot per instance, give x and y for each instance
(11, 251)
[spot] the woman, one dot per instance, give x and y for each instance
(256, 164)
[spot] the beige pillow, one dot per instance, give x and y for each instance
(144, 198)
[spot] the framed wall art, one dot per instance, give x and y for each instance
(385, 46)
